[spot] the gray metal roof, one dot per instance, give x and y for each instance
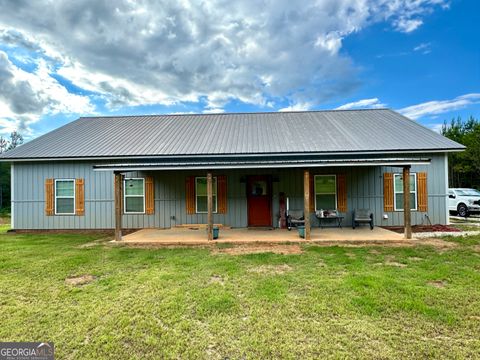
(335, 131)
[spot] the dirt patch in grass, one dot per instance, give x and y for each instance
(390, 261)
(476, 248)
(95, 243)
(439, 244)
(216, 279)
(80, 280)
(437, 283)
(258, 249)
(321, 263)
(396, 264)
(414, 258)
(271, 269)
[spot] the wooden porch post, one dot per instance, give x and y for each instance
(118, 206)
(210, 206)
(306, 203)
(407, 219)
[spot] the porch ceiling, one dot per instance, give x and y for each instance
(260, 163)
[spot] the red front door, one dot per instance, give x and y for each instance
(259, 201)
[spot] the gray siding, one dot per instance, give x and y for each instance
(364, 190)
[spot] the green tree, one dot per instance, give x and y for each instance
(464, 167)
(3, 145)
(15, 140)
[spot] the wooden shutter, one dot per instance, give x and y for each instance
(312, 193)
(222, 194)
(79, 197)
(190, 194)
(49, 197)
(422, 194)
(388, 192)
(341, 193)
(149, 195)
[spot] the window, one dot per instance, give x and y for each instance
(65, 197)
(325, 192)
(134, 196)
(398, 191)
(468, 192)
(259, 188)
(201, 194)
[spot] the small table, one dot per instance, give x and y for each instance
(336, 219)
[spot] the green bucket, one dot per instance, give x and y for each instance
(301, 231)
(216, 230)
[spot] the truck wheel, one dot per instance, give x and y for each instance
(462, 210)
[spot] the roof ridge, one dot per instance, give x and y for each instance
(235, 113)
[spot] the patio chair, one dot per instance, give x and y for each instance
(362, 216)
(295, 218)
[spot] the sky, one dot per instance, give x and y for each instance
(60, 60)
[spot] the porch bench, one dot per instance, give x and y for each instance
(362, 216)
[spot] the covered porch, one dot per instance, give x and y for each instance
(280, 177)
(198, 236)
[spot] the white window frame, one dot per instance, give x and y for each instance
(315, 190)
(216, 195)
(131, 196)
(65, 197)
(395, 192)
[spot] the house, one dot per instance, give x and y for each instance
(239, 169)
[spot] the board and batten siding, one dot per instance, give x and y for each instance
(364, 190)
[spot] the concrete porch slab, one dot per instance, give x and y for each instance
(176, 236)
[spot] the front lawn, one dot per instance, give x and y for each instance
(363, 302)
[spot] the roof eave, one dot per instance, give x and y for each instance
(145, 157)
(260, 164)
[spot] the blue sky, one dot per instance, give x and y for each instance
(62, 60)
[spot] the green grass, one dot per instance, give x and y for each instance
(329, 302)
(467, 227)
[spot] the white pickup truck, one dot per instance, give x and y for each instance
(463, 201)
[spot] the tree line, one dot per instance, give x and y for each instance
(464, 166)
(7, 144)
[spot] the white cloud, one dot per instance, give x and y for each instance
(332, 42)
(373, 103)
(407, 25)
(213, 111)
(440, 106)
(25, 96)
(298, 106)
(142, 53)
(436, 127)
(424, 48)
